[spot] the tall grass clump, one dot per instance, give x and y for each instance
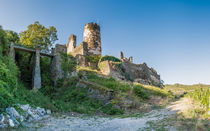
(203, 96)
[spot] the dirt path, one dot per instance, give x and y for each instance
(69, 123)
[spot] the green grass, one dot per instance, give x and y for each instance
(179, 89)
(110, 83)
(203, 96)
(146, 91)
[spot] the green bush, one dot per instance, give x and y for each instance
(110, 58)
(68, 64)
(25, 62)
(93, 58)
(3, 42)
(110, 110)
(6, 98)
(140, 92)
(75, 99)
(45, 72)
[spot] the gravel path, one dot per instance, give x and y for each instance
(70, 123)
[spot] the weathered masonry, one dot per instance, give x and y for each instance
(91, 45)
(55, 56)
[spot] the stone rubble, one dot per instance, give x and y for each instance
(13, 117)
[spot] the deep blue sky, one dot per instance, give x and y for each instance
(173, 36)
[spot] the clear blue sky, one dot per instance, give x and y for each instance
(173, 36)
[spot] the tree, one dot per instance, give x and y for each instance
(3, 42)
(12, 36)
(38, 36)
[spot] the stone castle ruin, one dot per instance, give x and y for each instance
(90, 46)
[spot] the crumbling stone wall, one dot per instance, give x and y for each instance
(140, 73)
(122, 58)
(82, 49)
(71, 44)
(93, 37)
(110, 68)
(56, 69)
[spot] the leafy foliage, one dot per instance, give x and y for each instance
(93, 58)
(12, 36)
(68, 64)
(3, 42)
(140, 92)
(38, 36)
(110, 58)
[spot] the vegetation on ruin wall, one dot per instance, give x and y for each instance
(93, 58)
(68, 64)
(110, 58)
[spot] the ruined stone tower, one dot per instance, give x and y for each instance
(92, 37)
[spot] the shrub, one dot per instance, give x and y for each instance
(110, 110)
(68, 64)
(93, 58)
(110, 58)
(45, 72)
(140, 92)
(3, 42)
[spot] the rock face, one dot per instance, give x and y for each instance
(140, 73)
(96, 91)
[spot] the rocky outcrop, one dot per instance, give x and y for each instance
(96, 91)
(25, 113)
(141, 73)
(126, 70)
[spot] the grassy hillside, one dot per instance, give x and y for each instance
(15, 87)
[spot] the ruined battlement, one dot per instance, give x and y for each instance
(124, 59)
(91, 37)
(81, 49)
(71, 44)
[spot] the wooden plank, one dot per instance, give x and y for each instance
(32, 51)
